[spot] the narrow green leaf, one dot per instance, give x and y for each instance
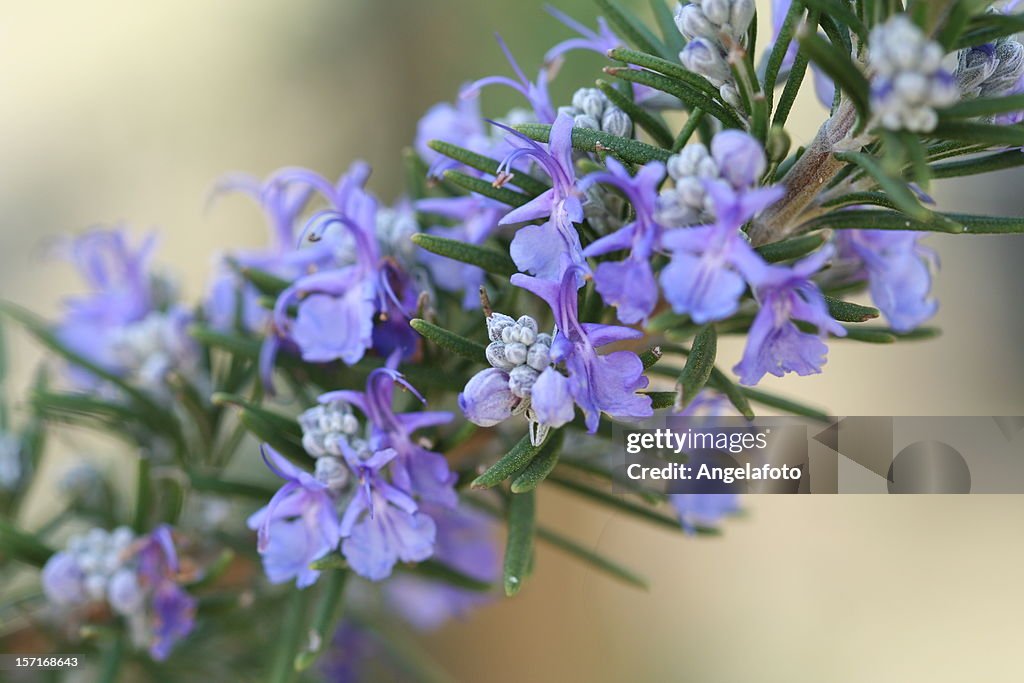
(721, 382)
(699, 365)
(640, 116)
(632, 29)
(870, 219)
(840, 11)
(983, 106)
(870, 335)
(110, 664)
(288, 637)
(795, 78)
(213, 571)
(516, 459)
(862, 198)
(670, 68)
(573, 548)
(22, 546)
(524, 181)
(979, 133)
(266, 283)
(616, 502)
(280, 432)
(154, 414)
(847, 312)
(839, 67)
(540, 467)
(780, 48)
(415, 173)
(791, 248)
(216, 484)
(784, 404)
(594, 559)
(325, 615)
(438, 571)
(689, 95)
(586, 140)
(485, 188)
(328, 562)
(522, 513)
(485, 258)
(143, 496)
(661, 399)
(989, 27)
(895, 188)
(692, 123)
(673, 39)
(984, 164)
(650, 356)
(450, 341)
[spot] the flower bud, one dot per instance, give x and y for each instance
(740, 158)
(332, 473)
(539, 356)
(487, 400)
(702, 57)
(617, 122)
(495, 353)
(515, 353)
(692, 23)
(496, 322)
(590, 101)
(586, 121)
(521, 380)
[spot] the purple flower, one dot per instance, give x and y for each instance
(459, 124)
(629, 285)
(535, 93)
(599, 41)
(172, 610)
(382, 524)
(705, 276)
(774, 344)
(415, 469)
(465, 543)
(355, 655)
(298, 526)
(595, 383)
(898, 271)
(548, 249)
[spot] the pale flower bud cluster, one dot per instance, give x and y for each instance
(519, 349)
(989, 70)
(101, 557)
(155, 345)
(712, 28)
(908, 81)
(592, 109)
(326, 429)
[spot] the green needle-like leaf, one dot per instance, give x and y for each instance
(596, 560)
(983, 106)
(487, 259)
(325, 616)
(689, 95)
(515, 460)
(784, 404)
(840, 11)
(650, 356)
(434, 570)
(21, 546)
(268, 284)
(526, 182)
(468, 349)
(847, 312)
(586, 140)
(485, 188)
(281, 433)
(522, 513)
(896, 188)
(983, 164)
(661, 399)
(290, 634)
(979, 133)
(699, 365)
(839, 67)
(632, 29)
(670, 68)
(780, 48)
(869, 219)
(673, 39)
(640, 116)
(795, 78)
(792, 248)
(540, 467)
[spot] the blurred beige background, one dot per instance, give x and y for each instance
(129, 111)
